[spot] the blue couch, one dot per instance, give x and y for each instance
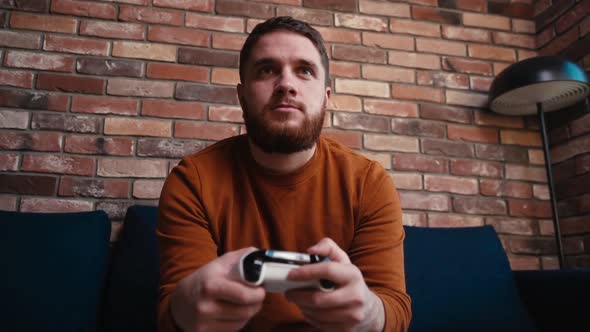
(61, 274)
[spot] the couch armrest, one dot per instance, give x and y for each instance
(557, 300)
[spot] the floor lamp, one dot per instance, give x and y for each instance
(540, 85)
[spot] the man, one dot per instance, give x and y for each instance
(281, 187)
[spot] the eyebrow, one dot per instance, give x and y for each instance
(267, 61)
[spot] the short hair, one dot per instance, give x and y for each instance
(289, 24)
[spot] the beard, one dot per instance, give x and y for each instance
(271, 133)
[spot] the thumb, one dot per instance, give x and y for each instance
(232, 257)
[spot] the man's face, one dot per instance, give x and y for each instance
(283, 93)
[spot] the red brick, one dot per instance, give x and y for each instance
(242, 8)
(361, 22)
(357, 121)
(345, 69)
(208, 57)
(69, 83)
(173, 109)
(384, 9)
(415, 127)
(524, 54)
(486, 21)
(16, 78)
(66, 122)
(123, 167)
(480, 83)
(466, 99)
(228, 41)
(435, 15)
(573, 16)
(425, 201)
(380, 142)
(447, 148)
(407, 181)
(524, 138)
(9, 161)
(33, 100)
(505, 189)
(204, 130)
(473, 134)
(453, 220)
(177, 72)
(40, 6)
(43, 23)
(502, 153)
(99, 145)
(541, 192)
(445, 113)
(531, 209)
(414, 27)
(140, 88)
(388, 73)
(413, 92)
(470, 5)
(54, 205)
(225, 76)
(523, 26)
(19, 39)
(206, 93)
(225, 114)
(84, 8)
(414, 219)
(450, 184)
(8, 203)
(104, 105)
(149, 51)
(338, 5)
(513, 39)
(570, 149)
(527, 173)
(99, 188)
(414, 60)
(109, 67)
(147, 189)
(442, 79)
(351, 139)
(150, 15)
(340, 36)
(513, 226)
(582, 164)
(560, 43)
(168, 148)
(358, 53)
(492, 53)
(479, 205)
(499, 67)
(440, 47)
(58, 164)
(420, 163)
(382, 158)
(14, 119)
(311, 16)
(53, 62)
(465, 34)
(84, 46)
(219, 23)
(385, 40)
(476, 168)
(178, 35)
(467, 66)
(137, 127)
(345, 103)
(580, 126)
(362, 87)
(194, 5)
(483, 118)
(536, 157)
(28, 184)
(36, 141)
(112, 29)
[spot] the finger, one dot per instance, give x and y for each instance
(233, 292)
(343, 297)
(328, 248)
(341, 274)
(232, 257)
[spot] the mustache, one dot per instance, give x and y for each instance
(287, 102)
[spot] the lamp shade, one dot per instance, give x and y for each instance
(551, 81)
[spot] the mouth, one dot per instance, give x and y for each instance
(286, 107)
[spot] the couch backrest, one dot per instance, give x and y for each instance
(460, 280)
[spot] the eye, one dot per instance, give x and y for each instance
(306, 71)
(266, 71)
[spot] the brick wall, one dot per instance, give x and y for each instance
(563, 29)
(99, 99)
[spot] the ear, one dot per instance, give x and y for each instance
(328, 94)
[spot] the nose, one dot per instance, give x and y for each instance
(285, 84)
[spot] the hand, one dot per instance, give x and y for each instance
(352, 306)
(213, 299)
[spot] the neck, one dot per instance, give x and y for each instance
(281, 162)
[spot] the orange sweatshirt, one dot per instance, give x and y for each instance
(220, 200)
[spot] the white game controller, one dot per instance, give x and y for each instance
(270, 268)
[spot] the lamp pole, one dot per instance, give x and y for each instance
(548, 169)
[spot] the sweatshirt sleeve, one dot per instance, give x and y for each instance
(377, 247)
(183, 233)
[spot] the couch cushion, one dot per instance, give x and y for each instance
(53, 268)
(460, 280)
(131, 298)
